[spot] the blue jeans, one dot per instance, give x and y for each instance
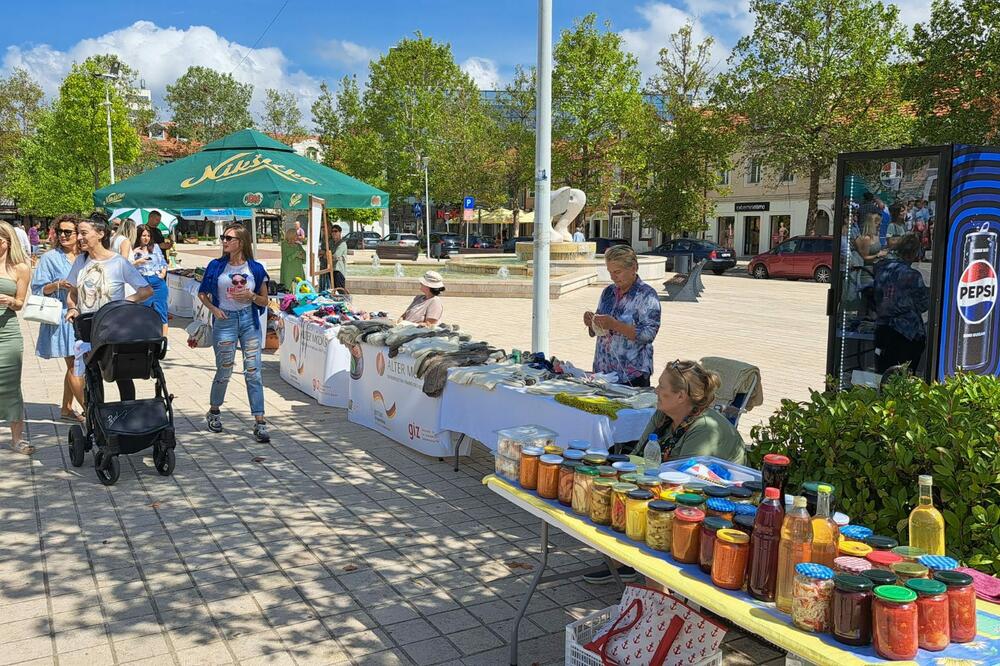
(238, 327)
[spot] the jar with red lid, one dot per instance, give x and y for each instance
(685, 542)
(548, 475)
(774, 472)
(961, 605)
(729, 559)
(851, 609)
(932, 613)
(854, 566)
(896, 633)
(706, 540)
(881, 559)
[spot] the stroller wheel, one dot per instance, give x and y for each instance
(164, 460)
(107, 475)
(77, 445)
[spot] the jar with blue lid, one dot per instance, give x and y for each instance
(573, 454)
(625, 468)
(855, 532)
(723, 508)
(938, 562)
(812, 594)
(745, 510)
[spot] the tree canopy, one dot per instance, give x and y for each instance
(282, 116)
(208, 105)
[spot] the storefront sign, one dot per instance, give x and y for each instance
(753, 206)
(314, 362)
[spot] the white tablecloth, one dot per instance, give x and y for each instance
(479, 413)
(179, 301)
(314, 362)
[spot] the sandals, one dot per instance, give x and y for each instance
(72, 416)
(23, 447)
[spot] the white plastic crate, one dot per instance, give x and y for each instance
(583, 631)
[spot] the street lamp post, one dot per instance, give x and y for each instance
(423, 162)
(110, 76)
(543, 175)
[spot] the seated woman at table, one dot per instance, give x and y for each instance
(685, 421)
(427, 308)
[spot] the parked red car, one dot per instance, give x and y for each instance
(798, 257)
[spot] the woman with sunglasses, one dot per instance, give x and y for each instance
(57, 340)
(234, 289)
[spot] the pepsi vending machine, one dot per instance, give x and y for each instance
(937, 307)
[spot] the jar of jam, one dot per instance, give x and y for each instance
(548, 475)
(938, 562)
(729, 560)
(636, 507)
(674, 480)
(660, 524)
(566, 472)
(650, 483)
(619, 501)
(774, 472)
(853, 548)
(719, 492)
(595, 460)
(880, 577)
(906, 571)
(878, 542)
(684, 546)
(722, 508)
(895, 633)
(812, 593)
(600, 501)
(740, 494)
(757, 490)
(961, 605)
(624, 468)
(851, 565)
(856, 533)
(583, 484)
(851, 609)
(528, 475)
(932, 613)
(689, 499)
(909, 553)
(706, 540)
(883, 559)
(607, 472)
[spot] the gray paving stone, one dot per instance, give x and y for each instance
(475, 640)
(412, 631)
(26, 649)
(433, 651)
(360, 644)
(452, 621)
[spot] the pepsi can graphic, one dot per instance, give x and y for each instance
(976, 299)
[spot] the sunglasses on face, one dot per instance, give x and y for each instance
(66, 232)
(226, 239)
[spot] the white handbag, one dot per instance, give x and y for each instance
(43, 309)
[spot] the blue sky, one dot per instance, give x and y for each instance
(312, 41)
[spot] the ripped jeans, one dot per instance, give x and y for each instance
(239, 328)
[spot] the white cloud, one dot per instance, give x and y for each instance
(483, 71)
(161, 55)
(347, 54)
(913, 12)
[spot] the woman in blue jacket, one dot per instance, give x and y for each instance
(234, 289)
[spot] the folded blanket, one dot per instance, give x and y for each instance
(592, 404)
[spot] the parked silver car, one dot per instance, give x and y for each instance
(399, 240)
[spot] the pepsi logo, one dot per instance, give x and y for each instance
(977, 291)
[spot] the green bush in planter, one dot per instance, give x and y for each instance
(872, 446)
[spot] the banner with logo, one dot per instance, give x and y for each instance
(314, 362)
(387, 397)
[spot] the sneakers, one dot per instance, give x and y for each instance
(260, 433)
(603, 577)
(214, 420)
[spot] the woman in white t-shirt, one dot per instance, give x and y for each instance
(98, 277)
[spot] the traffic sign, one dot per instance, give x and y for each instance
(469, 203)
(468, 215)
(418, 209)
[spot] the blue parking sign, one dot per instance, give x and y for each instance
(469, 203)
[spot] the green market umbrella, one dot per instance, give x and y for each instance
(141, 216)
(246, 169)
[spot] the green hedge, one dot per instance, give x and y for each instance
(872, 446)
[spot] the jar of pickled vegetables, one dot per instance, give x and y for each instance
(880, 577)
(696, 488)
(722, 508)
(583, 484)
(740, 495)
(624, 468)
(882, 559)
(895, 633)
(650, 483)
(660, 524)
(718, 492)
(674, 480)
(878, 542)
(851, 609)
(689, 499)
(851, 565)
(906, 571)
(706, 540)
(961, 605)
(607, 472)
(909, 553)
(755, 487)
(938, 563)
(684, 546)
(812, 593)
(853, 548)
(548, 475)
(729, 559)
(600, 501)
(595, 460)
(628, 477)
(566, 472)
(528, 475)
(933, 631)
(636, 507)
(619, 502)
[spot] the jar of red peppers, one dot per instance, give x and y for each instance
(961, 605)
(812, 593)
(548, 476)
(881, 559)
(619, 504)
(529, 466)
(729, 559)
(895, 633)
(706, 545)
(687, 527)
(566, 472)
(851, 609)
(932, 613)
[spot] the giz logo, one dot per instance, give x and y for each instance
(380, 364)
(977, 291)
(414, 431)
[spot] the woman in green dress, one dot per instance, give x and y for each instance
(293, 257)
(14, 279)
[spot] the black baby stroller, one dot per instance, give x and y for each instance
(127, 343)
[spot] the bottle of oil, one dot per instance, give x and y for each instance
(826, 534)
(926, 522)
(795, 547)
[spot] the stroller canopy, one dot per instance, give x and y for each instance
(124, 322)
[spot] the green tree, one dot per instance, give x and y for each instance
(693, 140)
(954, 82)
(282, 116)
(20, 110)
(817, 78)
(208, 105)
(514, 113)
(598, 116)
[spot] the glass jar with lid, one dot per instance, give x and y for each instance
(595, 460)
(895, 632)
(674, 480)
(626, 467)
(740, 495)
(528, 475)
(938, 562)
(574, 454)
(909, 553)
(548, 475)
(774, 472)
(566, 473)
(578, 445)
(660, 524)
(933, 631)
(650, 483)
(883, 559)
(696, 487)
(906, 571)
(851, 565)
(880, 577)
(617, 457)
(706, 540)
(607, 472)
(851, 609)
(718, 492)
(600, 501)
(961, 605)
(553, 449)
(684, 546)
(722, 508)
(636, 507)
(879, 542)
(628, 477)
(855, 533)
(689, 499)
(853, 548)
(619, 504)
(583, 484)
(755, 487)
(812, 594)
(729, 559)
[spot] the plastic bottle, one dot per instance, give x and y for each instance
(652, 455)
(926, 522)
(764, 546)
(795, 548)
(826, 534)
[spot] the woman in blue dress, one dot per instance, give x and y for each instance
(57, 341)
(148, 259)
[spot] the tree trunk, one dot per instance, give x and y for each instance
(814, 174)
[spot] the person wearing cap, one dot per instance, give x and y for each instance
(427, 308)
